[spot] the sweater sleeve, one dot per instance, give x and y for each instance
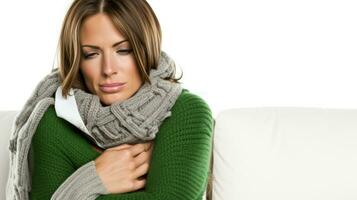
(180, 163)
(54, 170)
(179, 167)
(84, 183)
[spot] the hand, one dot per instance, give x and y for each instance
(121, 167)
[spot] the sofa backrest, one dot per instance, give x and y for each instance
(6, 120)
(269, 153)
(280, 153)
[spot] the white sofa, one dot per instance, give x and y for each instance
(6, 120)
(271, 153)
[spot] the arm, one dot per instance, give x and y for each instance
(179, 166)
(181, 155)
(56, 159)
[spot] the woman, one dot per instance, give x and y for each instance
(112, 122)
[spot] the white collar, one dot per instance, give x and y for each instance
(67, 109)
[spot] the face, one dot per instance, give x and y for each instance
(107, 64)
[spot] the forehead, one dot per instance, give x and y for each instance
(99, 29)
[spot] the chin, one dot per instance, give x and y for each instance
(109, 99)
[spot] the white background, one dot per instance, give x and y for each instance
(233, 53)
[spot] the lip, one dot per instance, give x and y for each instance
(111, 87)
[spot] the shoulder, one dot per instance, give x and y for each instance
(191, 110)
(50, 120)
(51, 127)
(189, 128)
(188, 101)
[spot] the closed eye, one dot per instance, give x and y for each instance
(87, 56)
(120, 51)
(124, 51)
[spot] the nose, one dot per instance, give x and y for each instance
(108, 64)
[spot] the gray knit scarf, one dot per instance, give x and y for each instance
(134, 120)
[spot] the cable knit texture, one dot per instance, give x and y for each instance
(179, 169)
(130, 121)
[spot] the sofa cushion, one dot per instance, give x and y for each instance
(285, 153)
(6, 120)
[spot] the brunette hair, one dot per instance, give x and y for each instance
(135, 19)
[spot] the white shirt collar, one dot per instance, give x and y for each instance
(67, 109)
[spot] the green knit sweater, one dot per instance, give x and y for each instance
(179, 166)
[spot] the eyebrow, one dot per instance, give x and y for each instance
(96, 47)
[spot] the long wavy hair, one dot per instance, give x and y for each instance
(134, 19)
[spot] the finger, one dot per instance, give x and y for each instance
(141, 158)
(141, 170)
(120, 147)
(148, 145)
(138, 148)
(140, 183)
(151, 146)
(150, 152)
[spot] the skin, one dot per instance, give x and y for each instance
(120, 168)
(107, 64)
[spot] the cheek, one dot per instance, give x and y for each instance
(89, 75)
(134, 73)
